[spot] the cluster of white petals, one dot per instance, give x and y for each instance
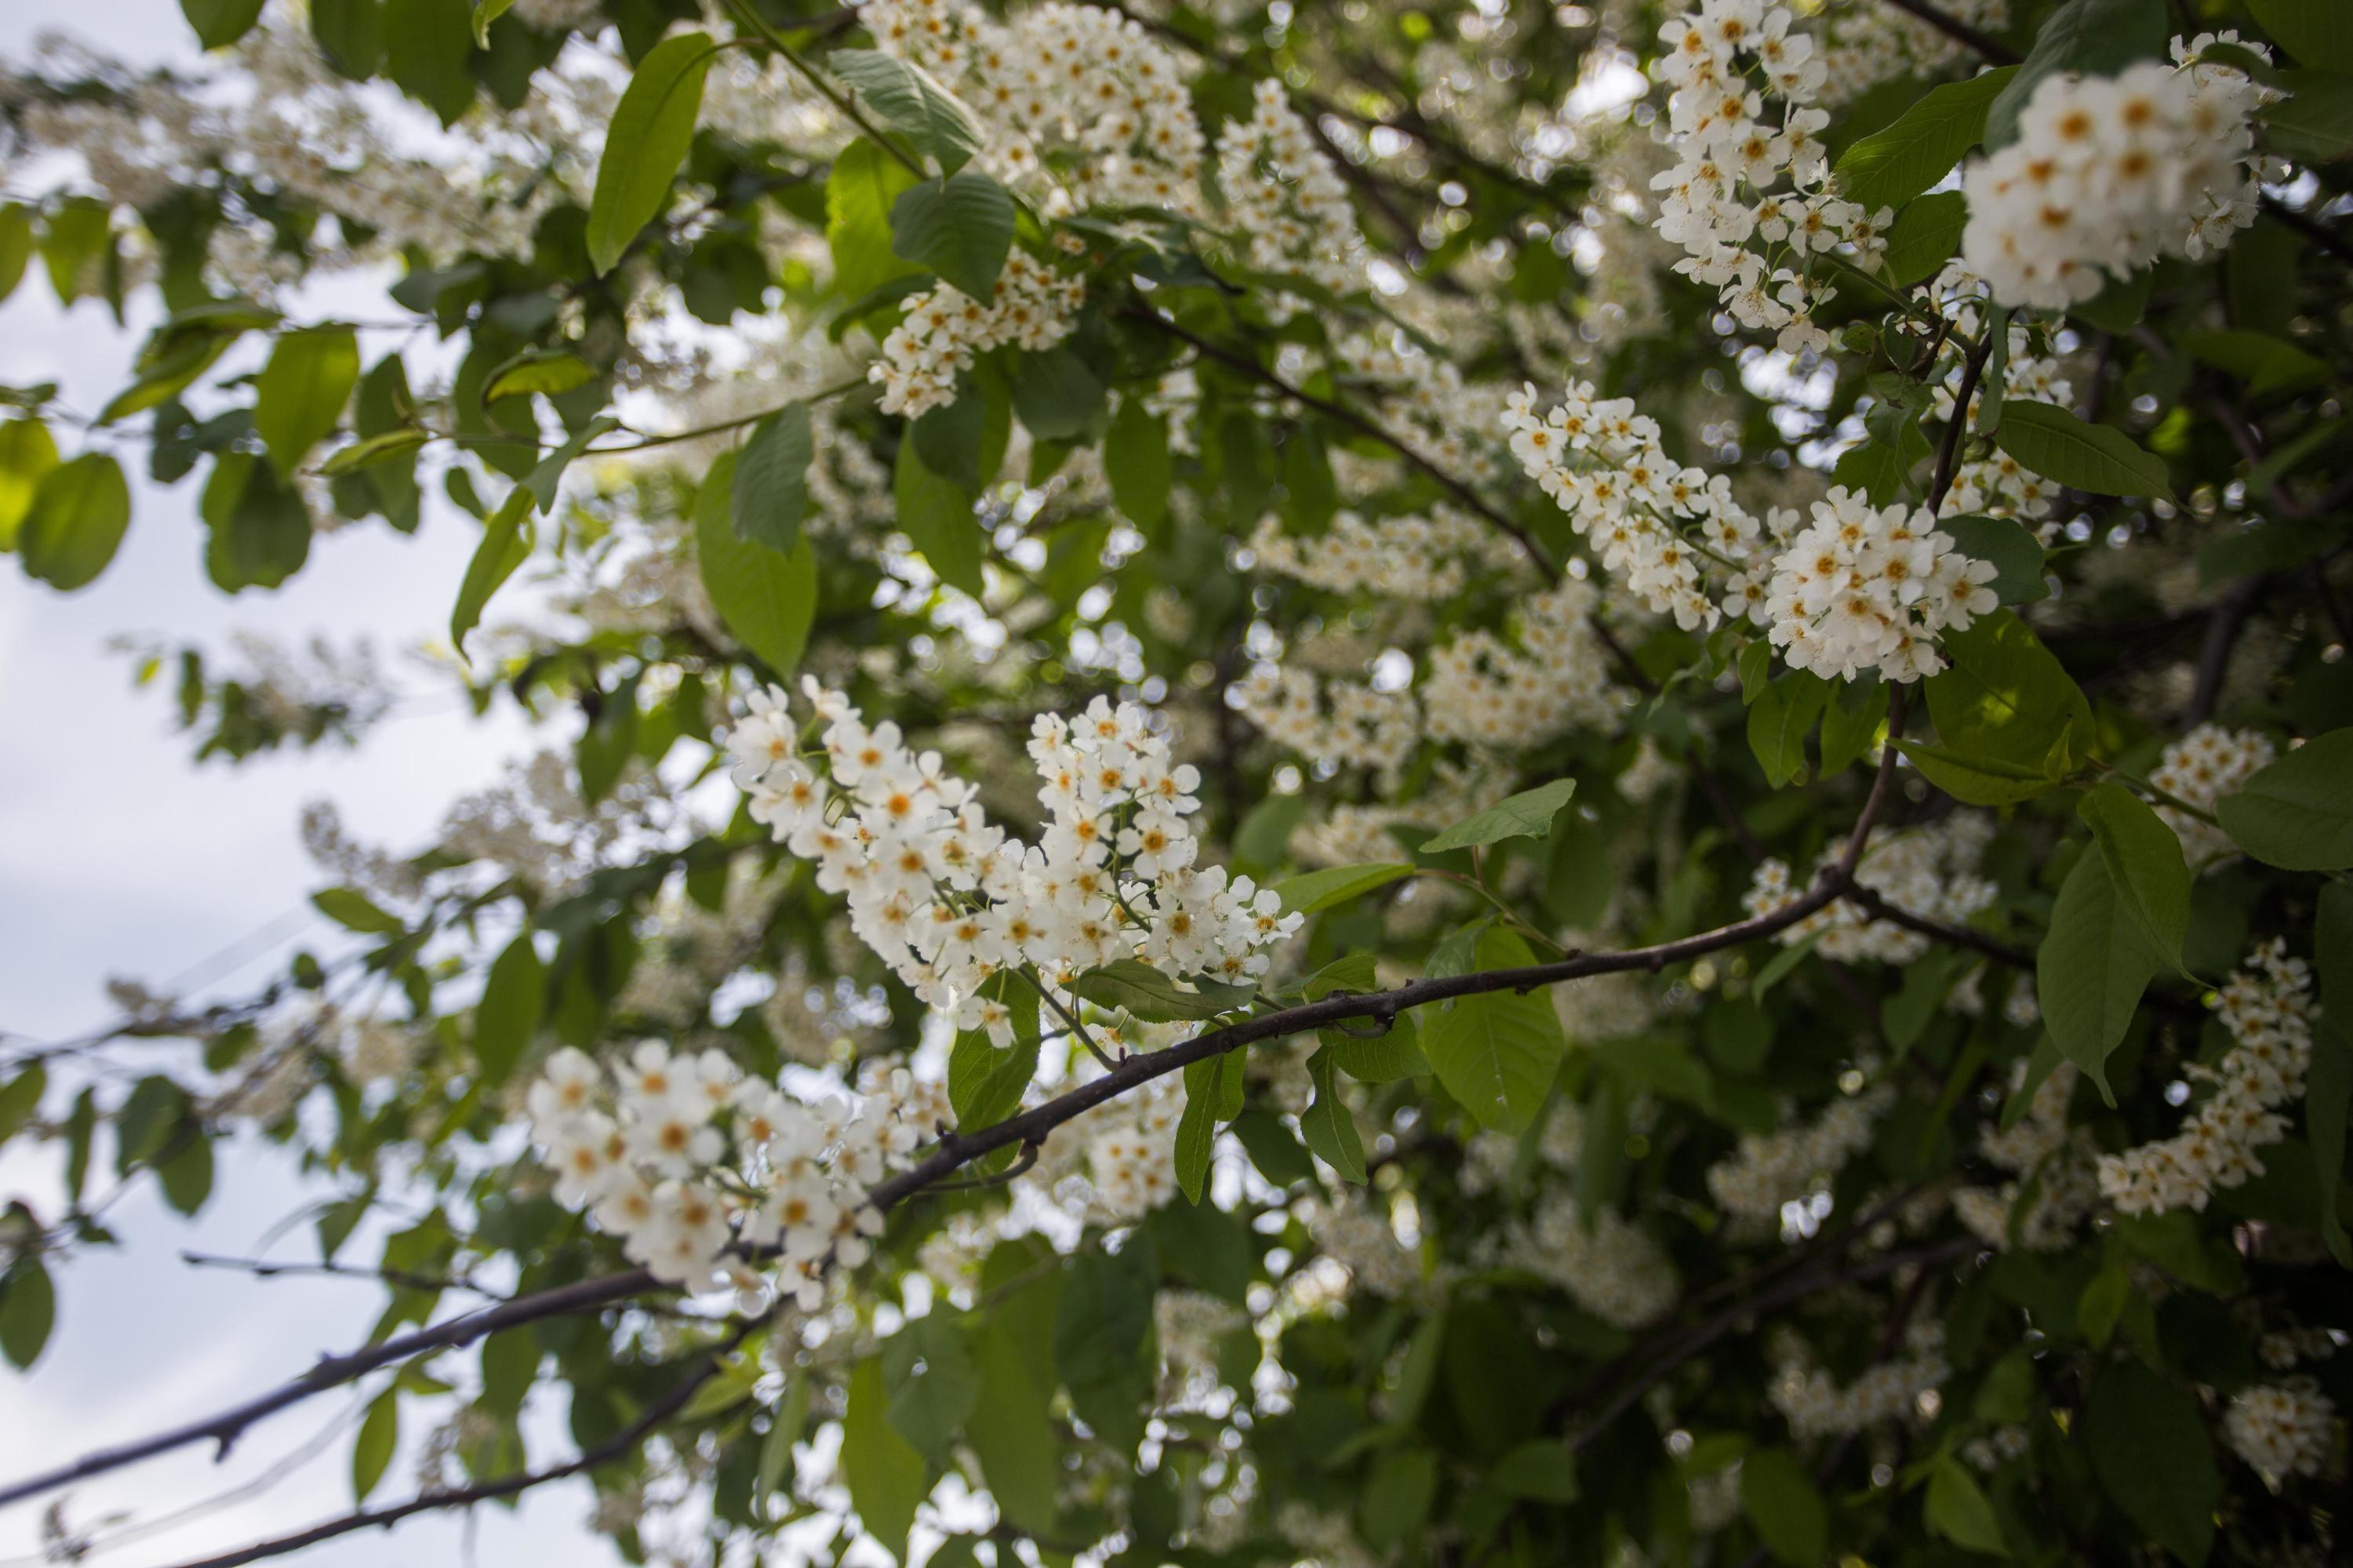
(949, 901)
(2052, 1168)
(1867, 42)
(1602, 464)
(1771, 1169)
(1083, 108)
(1867, 589)
(1033, 307)
(1411, 557)
(1815, 1404)
(2109, 174)
(1287, 201)
(1930, 870)
(700, 1170)
(2281, 1429)
(2267, 1008)
(1611, 1266)
(2202, 766)
(1750, 201)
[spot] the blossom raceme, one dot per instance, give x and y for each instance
(949, 901)
(2107, 175)
(1867, 589)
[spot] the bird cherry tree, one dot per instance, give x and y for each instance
(1478, 783)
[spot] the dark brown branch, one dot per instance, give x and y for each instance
(1992, 49)
(619, 1446)
(1949, 461)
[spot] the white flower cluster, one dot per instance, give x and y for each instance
(1613, 1267)
(1287, 200)
(1480, 690)
(1867, 588)
(2267, 1008)
(1057, 79)
(685, 1159)
(1867, 42)
(1354, 1229)
(2281, 1429)
(949, 901)
(1996, 484)
(2004, 1443)
(1771, 1170)
(1602, 464)
(1131, 1152)
(1422, 399)
(2041, 1152)
(1813, 1403)
(1742, 180)
(1928, 871)
(1034, 307)
(1411, 557)
(2107, 175)
(2202, 766)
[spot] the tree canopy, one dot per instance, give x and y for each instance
(1472, 784)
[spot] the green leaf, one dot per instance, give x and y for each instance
(545, 480)
(185, 1171)
(28, 1310)
(1327, 1124)
(2091, 969)
(1780, 719)
(17, 245)
(2328, 1090)
(858, 191)
(2315, 122)
(1149, 994)
(648, 141)
(349, 34)
(2297, 814)
(1959, 1510)
(1197, 1129)
(1100, 1329)
(300, 394)
(429, 46)
(936, 514)
(80, 510)
(485, 13)
(379, 1435)
(1924, 235)
(2149, 1445)
(1057, 395)
(915, 103)
(769, 495)
(1397, 1498)
(2145, 865)
(1012, 1433)
(2015, 555)
(551, 372)
(1542, 1469)
(769, 601)
(2317, 32)
(1319, 890)
(27, 453)
(2006, 706)
(1781, 1502)
(1892, 166)
(506, 544)
(786, 1423)
(514, 999)
(21, 1097)
(1137, 463)
(259, 528)
(364, 454)
(2268, 364)
(1381, 1058)
(353, 910)
(220, 23)
(960, 228)
(1496, 1052)
(1850, 723)
(1528, 814)
(509, 1365)
(928, 1367)
(2099, 459)
(2097, 38)
(887, 1477)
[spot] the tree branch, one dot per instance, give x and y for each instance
(619, 1446)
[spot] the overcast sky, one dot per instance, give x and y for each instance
(118, 856)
